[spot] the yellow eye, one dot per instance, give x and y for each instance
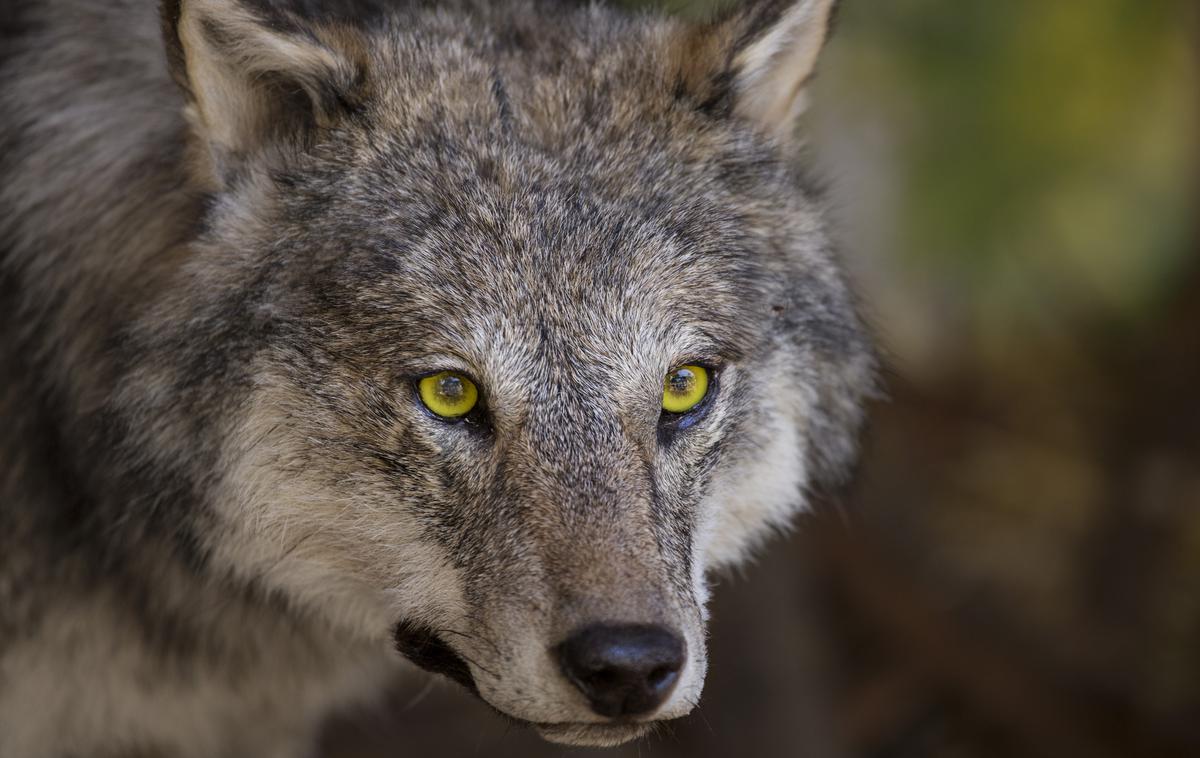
(449, 394)
(684, 388)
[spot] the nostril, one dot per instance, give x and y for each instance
(660, 675)
(603, 678)
(623, 670)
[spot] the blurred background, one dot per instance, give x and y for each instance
(1015, 572)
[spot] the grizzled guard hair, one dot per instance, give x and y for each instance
(236, 235)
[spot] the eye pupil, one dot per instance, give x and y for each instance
(681, 381)
(451, 388)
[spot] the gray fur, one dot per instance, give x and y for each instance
(220, 496)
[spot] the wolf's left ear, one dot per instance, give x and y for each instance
(755, 62)
(252, 80)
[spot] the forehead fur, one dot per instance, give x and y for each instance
(505, 176)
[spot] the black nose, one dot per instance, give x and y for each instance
(624, 670)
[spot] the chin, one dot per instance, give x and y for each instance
(592, 735)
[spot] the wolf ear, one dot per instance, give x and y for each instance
(755, 62)
(251, 80)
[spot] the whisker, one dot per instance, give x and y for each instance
(476, 638)
(430, 683)
(493, 674)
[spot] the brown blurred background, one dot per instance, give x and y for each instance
(1016, 570)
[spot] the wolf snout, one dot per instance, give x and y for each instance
(623, 670)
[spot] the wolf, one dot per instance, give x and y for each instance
(344, 336)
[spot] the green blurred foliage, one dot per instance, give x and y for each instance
(1047, 147)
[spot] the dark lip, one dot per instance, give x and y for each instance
(421, 645)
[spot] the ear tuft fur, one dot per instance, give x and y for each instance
(755, 61)
(252, 80)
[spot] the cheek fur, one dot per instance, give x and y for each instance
(323, 528)
(759, 483)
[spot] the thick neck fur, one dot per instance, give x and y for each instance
(66, 630)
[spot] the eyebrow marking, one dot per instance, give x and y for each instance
(503, 104)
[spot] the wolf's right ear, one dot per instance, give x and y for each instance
(755, 61)
(252, 80)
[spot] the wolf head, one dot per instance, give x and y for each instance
(554, 207)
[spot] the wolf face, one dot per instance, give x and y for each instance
(559, 206)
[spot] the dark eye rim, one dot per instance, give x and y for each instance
(476, 417)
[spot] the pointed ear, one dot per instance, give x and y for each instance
(757, 60)
(252, 80)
